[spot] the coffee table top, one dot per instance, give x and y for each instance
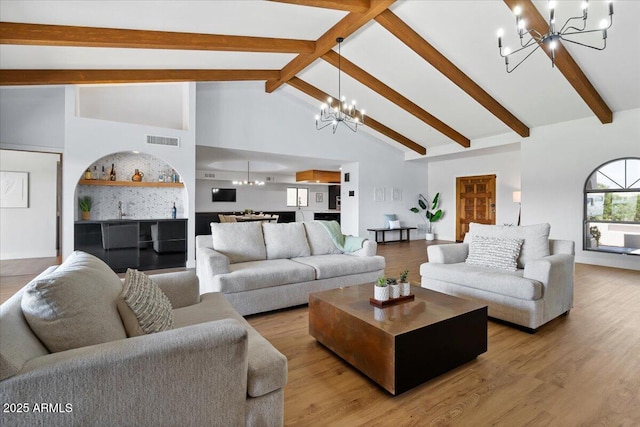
(429, 307)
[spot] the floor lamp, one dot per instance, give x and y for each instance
(516, 199)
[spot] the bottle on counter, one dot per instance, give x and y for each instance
(112, 173)
(94, 174)
(87, 174)
(174, 211)
(103, 174)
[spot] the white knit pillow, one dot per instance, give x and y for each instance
(142, 305)
(493, 252)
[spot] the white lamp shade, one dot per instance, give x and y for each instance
(516, 197)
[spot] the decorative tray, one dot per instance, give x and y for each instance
(392, 301)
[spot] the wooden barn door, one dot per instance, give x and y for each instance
(476, 202)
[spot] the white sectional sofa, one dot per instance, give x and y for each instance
(539, 290)
(266, 266)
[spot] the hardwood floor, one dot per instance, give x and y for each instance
(580, 369)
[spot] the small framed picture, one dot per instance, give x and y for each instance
(378, 194)
(319, 197)
(347, 177)
(396, 194)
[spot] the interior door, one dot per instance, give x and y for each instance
(476, 202)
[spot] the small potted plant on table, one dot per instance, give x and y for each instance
(381, 290)
(405, 287)
(394, 288)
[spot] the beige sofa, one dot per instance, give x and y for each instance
(266, 266)
(539, 290)
(211, 369)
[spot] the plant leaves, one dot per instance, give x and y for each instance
(422, 204)
(435, 201)
(415, 210)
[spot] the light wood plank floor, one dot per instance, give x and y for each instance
(579, 370)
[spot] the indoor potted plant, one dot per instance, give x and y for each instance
(432, 213)
(595, 233)
(394, 288)
(405, 287)
(85, 203)
(381, 290)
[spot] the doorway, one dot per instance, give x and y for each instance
(475, 202)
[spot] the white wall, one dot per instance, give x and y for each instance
(556, 162)
(87, 140)
(269, 197)
(32, 118)
(242, 116)
(504, 162)
(30, 232)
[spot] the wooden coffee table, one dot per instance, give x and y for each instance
(404, 345)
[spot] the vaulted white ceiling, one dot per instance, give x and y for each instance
(463, 31)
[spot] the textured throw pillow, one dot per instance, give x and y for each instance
(239, 241)
(535, 238)
(75, 305)
(143, 307)
(394, 224)
(388, 218)
(494, 253)
(287, 240)
(320, 241)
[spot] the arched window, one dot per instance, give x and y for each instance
(612, 208)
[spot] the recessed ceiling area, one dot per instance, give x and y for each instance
(222, 159)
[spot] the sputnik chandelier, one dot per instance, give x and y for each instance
(248, 181)
(336, 111)
(552, 38)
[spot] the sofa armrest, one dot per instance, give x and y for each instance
(448, 254)
(369, 248)
(187, 376)
(555, 272)
(182, 288)
(210, 263)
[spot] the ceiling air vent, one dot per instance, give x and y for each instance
(163, 140)
(210, 175)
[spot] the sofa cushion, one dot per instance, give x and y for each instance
(143, 307)
(535, 238)
(239, 241)
(320, 241)
(494, 253)
(247, 276)
(75, 305)
(488, 279)
(286, 240)
(327, 266)
(267, 366)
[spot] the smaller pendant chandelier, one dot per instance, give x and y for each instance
(337, 111)
(248, 181)
(551, 38)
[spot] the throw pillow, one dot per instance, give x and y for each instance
(494, 253)
(75, 305)
(287, 240)
(535, 238)
(394, 224)
(143, 307)
(239, 241)
(388, 218)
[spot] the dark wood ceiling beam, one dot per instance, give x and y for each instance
(316, 93)
(62, 35)
(382, 89)
(344, 28)
(413, 40)
(54, 77)
(565, 62)
(348, 5)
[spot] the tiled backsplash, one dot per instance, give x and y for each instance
(137, 202)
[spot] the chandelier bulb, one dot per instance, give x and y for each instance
(362, 112)
(553, 45)
(585, 5)
(603, 24)
(517, 10)
(507, 51)
(552, 4)
(500, 32)
(353, 102)
(317, 117)
(329, 100)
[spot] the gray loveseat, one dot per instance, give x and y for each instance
(539, 290)
(211, 369)
(266, 266)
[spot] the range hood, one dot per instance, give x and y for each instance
(318, 176)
